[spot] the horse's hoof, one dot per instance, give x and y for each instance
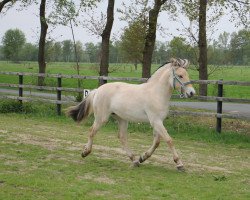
(180, 168)
(136, 163)
(85, 153)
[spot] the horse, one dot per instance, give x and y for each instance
(145, 102)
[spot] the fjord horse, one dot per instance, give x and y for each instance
(146, 102)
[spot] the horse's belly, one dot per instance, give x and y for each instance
(133, 116)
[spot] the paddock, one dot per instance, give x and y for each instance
(41, 158)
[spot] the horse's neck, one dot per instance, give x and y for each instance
(160, 83)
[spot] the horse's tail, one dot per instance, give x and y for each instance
(81, 111)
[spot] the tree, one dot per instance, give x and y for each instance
(148, 10)
(58, 50)
(3, 3)
(202, 43)
(114, 52)
(29, 52)
(104, 63)
(161, 53)
(13, 42)
(240, 47)
(150, 38)
(79, 50)
(132, 41)
(67, 50)
(178, 48)
(1, 53)
(196, 10)
(223, 40)
(92, 51)
(66, 13)
(42, 42)
(218, 52)
(49, 51)
(63, 16)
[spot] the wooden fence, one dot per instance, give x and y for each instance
(58, 89)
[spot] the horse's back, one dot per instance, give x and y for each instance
(123, 99)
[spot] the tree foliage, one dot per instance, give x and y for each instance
(6, 4)
(205, 15)
(227, 49)
(13, 42)
(240, 47)
(133, 40)
(148, 11)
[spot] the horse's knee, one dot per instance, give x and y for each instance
(132, 157)
(170, 142)
(157, 143)
(176, 159)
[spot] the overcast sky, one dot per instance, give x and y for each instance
(27, 20)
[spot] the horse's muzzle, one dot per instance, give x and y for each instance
(190, 92)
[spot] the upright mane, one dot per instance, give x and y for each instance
(157, 74)
(173, 63)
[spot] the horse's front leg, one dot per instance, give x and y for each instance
(159, 128)
(151, 150)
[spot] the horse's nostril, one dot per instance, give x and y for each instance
(191, 94)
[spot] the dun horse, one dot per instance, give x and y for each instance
(147, 102)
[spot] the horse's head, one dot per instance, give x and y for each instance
(181, 81)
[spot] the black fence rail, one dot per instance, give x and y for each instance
(58, 89)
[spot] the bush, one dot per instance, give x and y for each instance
(13, 106)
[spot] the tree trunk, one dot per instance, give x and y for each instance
(150, 38)
(42, 40)
(104, 64)
(136, 65)
(203, 74)
(2, 4)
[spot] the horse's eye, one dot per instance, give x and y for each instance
(180, 76)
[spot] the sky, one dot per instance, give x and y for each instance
(28, 21)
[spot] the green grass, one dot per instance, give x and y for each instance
(230, 73)
(40, 159)
(40, 152)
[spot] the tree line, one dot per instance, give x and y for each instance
(227, 49)
(139, 13)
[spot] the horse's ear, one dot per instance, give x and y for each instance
(185, 64)
(175, 62)
(179, 63)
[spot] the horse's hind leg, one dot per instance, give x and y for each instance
(93, 130)
(123, 126)
(151, 150)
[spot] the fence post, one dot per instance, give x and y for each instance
(219, 106)
(59, 94)
(20, 87)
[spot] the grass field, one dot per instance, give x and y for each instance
(40, 152)
(40, 159)
(236, 73)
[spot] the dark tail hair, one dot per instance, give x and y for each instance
(81, 111)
